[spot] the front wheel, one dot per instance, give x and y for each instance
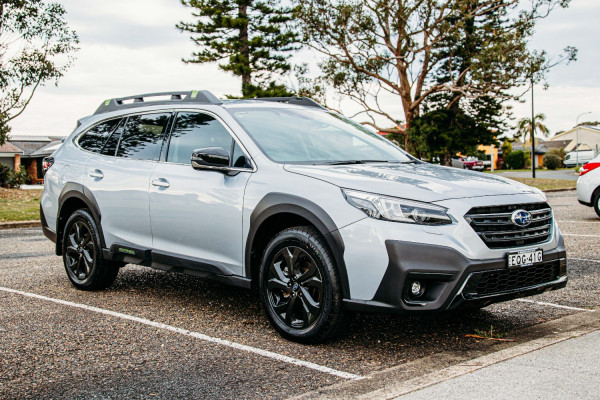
(82, 254)
(300, 288)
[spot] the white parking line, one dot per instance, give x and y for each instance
(543, 303)
(223, 342)
(575, 234)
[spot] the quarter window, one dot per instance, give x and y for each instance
(94, 139)
(194, 131)
(141, 136)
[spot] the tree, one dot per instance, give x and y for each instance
(250, 38)
(524, 127)
(36, 47)
(443, 133)
(374, 47)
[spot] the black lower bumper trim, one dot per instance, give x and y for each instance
(445, 273)
(45, 228)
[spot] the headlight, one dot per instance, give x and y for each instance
(396, 209)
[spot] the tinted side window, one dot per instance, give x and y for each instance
(141, 135)
(196, 131)
(94, 139)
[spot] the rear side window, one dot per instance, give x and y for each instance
(94, 139)
(196, 131)
(141, 136)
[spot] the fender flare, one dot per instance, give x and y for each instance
(80, 192)
(277, 203)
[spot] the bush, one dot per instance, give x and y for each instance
(515, 160)
(551, 161)
(5, 173)
(561, 153)
(16, 179)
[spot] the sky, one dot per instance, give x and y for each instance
(132, 46)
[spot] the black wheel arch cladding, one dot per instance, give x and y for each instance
(281, 203)
(77, 191)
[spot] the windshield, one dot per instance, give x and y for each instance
(312, 136)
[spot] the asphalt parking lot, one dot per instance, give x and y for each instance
(165, 335)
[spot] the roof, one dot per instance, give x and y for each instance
(28, 146)
(555, 144)
(47, 149)
(10, 148)
(594, 129)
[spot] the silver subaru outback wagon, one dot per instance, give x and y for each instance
(319, 214)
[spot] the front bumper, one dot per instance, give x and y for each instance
(452, 280)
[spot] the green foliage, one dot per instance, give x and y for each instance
(470, 52)
(443, 133)
(524, 127)
(36, 47)
(506, 147)
(249, 38)
(515, 160)
(560, 153)
(5, 173)
(551, 161)
(11, 179)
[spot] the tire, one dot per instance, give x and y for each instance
(305, 304)
(597, 203)
(82, 254)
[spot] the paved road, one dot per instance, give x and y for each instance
(162, 335)
(565, 174)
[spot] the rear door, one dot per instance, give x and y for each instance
(197, 214)
(120, 175)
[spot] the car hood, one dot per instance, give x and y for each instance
(422, 181)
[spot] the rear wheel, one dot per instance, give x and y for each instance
(300, 288)
(597, 203)
(82, 254)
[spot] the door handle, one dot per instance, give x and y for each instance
(161, 182)
(96, 174)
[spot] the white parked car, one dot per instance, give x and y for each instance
(319, 214)
(571, 159)
(588, 184)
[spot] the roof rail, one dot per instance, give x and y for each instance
(301, 101)
(194, 96)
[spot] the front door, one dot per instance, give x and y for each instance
(197, 214)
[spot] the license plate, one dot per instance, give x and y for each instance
(524, 258)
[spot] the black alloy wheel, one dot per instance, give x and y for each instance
(300, 287)
(295, 287)
(82, 254)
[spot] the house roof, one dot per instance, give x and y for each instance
(47, 149)
(10, 148)
(555, 144)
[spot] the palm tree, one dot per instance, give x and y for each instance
(524, 127)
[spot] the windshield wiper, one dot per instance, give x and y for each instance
(345, 162)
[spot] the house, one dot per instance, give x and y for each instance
(588, 136)
(28, 152)
(540, 150)
(10, 155)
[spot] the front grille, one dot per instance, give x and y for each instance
(504, 280)
(495, 228)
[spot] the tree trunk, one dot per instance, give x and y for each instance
(244, 48)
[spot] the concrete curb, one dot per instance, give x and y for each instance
(428, 371)
(20, 224)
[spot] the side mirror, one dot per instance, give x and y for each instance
(211, 158)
